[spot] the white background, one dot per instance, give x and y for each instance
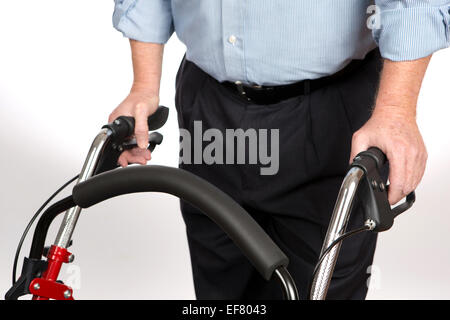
(63, 69)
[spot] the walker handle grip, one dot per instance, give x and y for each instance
(123, 126)
(378, 155)
(381, 160)
(121, 138)
(155, 121)
(374, 191)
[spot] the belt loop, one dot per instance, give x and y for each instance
(307, 87)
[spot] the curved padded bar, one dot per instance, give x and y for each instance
(262, 252)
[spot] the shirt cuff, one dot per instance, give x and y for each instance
(413, 33)
(144, 20)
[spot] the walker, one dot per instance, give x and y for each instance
(99, 180)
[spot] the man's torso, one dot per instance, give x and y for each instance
(269, 42)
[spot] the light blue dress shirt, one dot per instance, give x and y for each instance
(273, 42)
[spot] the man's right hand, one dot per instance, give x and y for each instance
(139, 104)
(143, 99)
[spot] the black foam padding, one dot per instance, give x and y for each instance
(259, 248)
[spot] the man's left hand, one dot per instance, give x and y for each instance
(396, 133)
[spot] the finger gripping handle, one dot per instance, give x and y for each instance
(154, 122)
(410, 199)
(381, 159)
(377, 155)
(123, 127)
(154, 138)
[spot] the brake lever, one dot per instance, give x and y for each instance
(409, 201)
(114, 150)
(154, 139)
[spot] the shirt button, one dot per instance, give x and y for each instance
(232, 39)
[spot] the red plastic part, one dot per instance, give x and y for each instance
(50, 290)
(48, 287)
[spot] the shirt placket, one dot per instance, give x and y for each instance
(233, 39)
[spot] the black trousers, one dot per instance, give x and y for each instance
(293, 206)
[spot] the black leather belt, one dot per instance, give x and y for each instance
(273, 94)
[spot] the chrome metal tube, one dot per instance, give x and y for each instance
(290, 290)
(338, 224)
(71, 217)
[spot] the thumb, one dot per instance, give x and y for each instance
(359, 144)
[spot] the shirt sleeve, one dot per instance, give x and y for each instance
(411, 29)
(144, 20)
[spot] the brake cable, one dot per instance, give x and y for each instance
(366, 227)
(27, 229)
